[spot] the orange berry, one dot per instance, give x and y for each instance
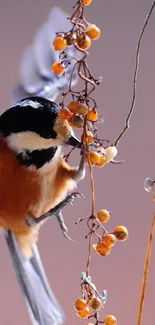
(102, 249)
(93, 32)
(88, 138)
(82, 109)
(87, 2)
(73, 106)
(103, 215)
(95, 303)
(58, 68)
(121, 233)
(102, 161)
(109, 240)
(92, 115)
(89, 324)
(93, 157)
(64, 114)
(84, 42)
(80, 304)
(110, 320)
(84, 313)
(77, 121)
(59, 43)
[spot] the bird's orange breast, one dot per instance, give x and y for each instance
(24, 191)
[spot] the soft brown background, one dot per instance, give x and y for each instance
(118, 188)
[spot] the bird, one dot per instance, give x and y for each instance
(34, 178)
(36, 182)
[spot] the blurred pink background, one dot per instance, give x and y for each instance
(118, 188)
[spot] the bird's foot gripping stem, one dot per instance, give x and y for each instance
(57, 211)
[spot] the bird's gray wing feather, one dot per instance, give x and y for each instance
(37, 78)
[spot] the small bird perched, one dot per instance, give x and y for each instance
(34, 182)
(34, 178)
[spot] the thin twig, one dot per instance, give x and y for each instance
(146, 271)
(127, 124)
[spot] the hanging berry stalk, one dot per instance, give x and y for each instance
(79, 108)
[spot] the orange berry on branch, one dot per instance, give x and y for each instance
(64, 114)
(93, 32)
(88, 138)
(58, 68)
(102, 161)
(83, 42)
(102, 249)
(92, 115)
(80, 304)
(87, 2)
(59, 43)
(103, 215)
(82, 109)
(73, 106)
(95, 303)
(121, 233)
(93, 157)
(109, 240)
(110, 320)
(84, 313)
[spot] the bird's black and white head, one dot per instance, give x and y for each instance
(34, 132)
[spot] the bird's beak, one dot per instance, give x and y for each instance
(74, 142)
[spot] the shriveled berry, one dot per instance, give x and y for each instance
(80, 304)
(64, 114)
(73, 106)
(58, 68)
(102, 249)
(109, 239)
(77, 121)
(92, 115)
(95, 303)
(110, 320)
(59, 43)
(71, 38)
(84, 42)
(84, 313)
(93, 32)
(110, 153)
(121, 233)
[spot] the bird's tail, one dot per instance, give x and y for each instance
(37, 78)
(42, 305)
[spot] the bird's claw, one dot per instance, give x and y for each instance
(70, 198)
(57, 211)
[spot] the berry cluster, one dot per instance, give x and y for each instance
(79, 109)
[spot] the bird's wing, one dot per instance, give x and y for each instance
(42, 305)
(37, 78)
